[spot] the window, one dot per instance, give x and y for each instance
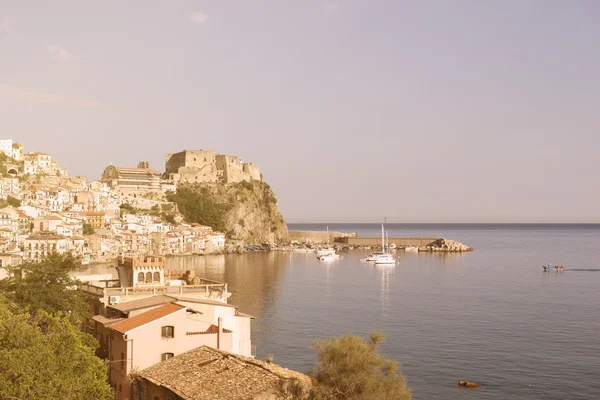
(168, 332)
(120, 388)
(141, 277)
(156, 277)
(148, 277)
(122, 361)
(166, 356)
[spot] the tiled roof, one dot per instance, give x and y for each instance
(142, 319)
(213, 329)
(207, 373)
(152, 301)
(105, 320)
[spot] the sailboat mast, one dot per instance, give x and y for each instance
(382, 239)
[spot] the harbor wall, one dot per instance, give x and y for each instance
(398, 241)
(314, 236)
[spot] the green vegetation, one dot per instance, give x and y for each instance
(88, 230)
(45, 357)
(47, 286)
(13, 201)
(200, 206)
(128, 208)
(351, 369)
(43, 353)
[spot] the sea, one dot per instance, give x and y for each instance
(491, 316)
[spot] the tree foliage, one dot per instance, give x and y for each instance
(46, 285)
(200, 206)
(45, 357)
(88, 229)
(13, 201)
(350, 368)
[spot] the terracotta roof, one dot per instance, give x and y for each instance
(152, 301)
(207, 373)
(213, 329)
(22, 214)
(39, 153)
(130, 324)
(105, 320)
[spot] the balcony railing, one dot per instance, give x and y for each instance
(208, 289)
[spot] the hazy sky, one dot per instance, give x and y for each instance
(421, 111)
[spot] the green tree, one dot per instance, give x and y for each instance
(13, 201)
(351, 369)
(128, 207)
(88, 230)
(46, 285)
(45, 357)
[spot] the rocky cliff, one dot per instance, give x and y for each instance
(243, 211)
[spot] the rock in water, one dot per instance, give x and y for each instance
(468, 384)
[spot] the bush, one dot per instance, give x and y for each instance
(350, 368)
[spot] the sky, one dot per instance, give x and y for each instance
(355, 111)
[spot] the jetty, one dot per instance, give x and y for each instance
(353, 240)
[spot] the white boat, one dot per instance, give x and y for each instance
(385, 257)
(411, 248)
(371, 257)
(329, 257)
(326, 251)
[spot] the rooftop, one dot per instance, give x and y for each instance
(207, 373)
(132, 323)
(139, 304)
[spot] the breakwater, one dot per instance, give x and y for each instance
(352, 240)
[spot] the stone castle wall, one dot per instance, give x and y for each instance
(199, 166)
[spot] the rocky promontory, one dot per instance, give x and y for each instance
(245, 211)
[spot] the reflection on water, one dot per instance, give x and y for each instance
(385, 271)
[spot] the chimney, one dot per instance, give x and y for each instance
(220, 332)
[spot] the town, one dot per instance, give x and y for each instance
(126, 211)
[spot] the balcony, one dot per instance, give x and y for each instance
(206, 288)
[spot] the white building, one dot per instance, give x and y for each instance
(6, 146)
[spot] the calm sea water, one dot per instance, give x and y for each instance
(490, 316)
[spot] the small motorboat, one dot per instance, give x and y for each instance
(414, 249)
(329, 257)
(555, 268)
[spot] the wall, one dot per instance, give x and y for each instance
(376, 241)
(252, 170)
(198, 166)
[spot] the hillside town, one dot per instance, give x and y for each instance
(45, 209)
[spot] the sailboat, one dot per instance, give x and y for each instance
(327, 254)
(385, 257)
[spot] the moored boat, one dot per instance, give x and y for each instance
(550, 267)
(411, 248)
(385, 259)
(329, 257)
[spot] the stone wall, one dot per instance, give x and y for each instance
(200, 166)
